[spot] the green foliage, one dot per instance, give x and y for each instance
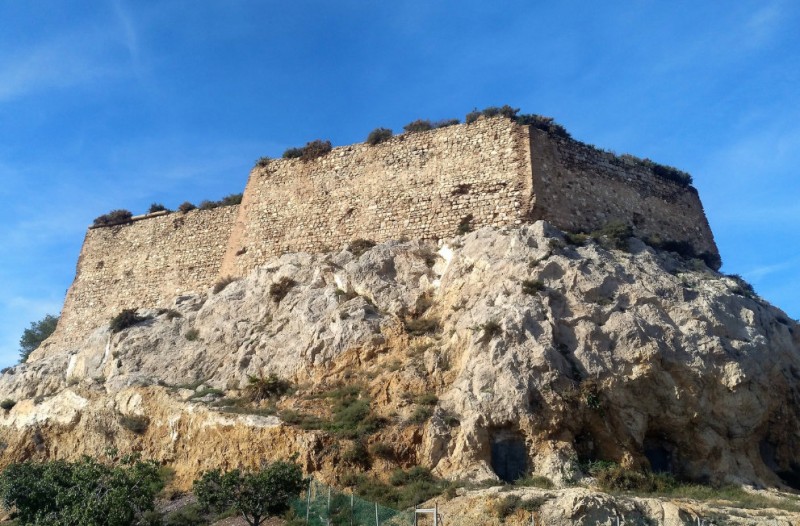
(488, 330)
(742, 288)
(379, 135)
(263, 388)
(256, 495)
(419, 125)
(420, 415)
(34, 335)
(281, 288)
(404, 490)
(492, 111)
(507, 505)
(136, 424)
(115, 217)
(157, 207)
(125, 319)
(532, 286)
(535, 481)
(228, 200)
(358, 247)
(444, 123)
(382, 450)
(351, 416)
(312, 150)
(357, 455)
(85, 492)
(192, 335)
(577, 239)
(7, 404)
(186, 206)
(426, 399)
(261, 162)
(220, 285)
(546, 124)
(292, 153)
(670, 173)
(189, 515)
(615, 234)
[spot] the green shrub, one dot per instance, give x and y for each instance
(577, 239)
(357, 247)
(137, 424)
(419, 125)
(34, 335)
(230, 200)
(115, 217)
(406, 488)
(426, 399)
(420, 415)
(742, 288)
(261, 162)
(293, 153)
(488, 330)
(220, 285)
(192, 335)
(208, 205)
(444, 123)
(157, 207)
(382, 450)
(265, 387)
(189, 515)
(357, 455)
(532, 287)
(125, 319)
(171, 314)
(315, 149)
(281, 288)
(7, 404)
(186, 206)
(379, 135)
(615, 234)
(492, 111)
(546, 124)
(535, 481)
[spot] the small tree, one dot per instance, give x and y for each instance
(34, 335)
(255, 495)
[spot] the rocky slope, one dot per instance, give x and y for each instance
(541, 355)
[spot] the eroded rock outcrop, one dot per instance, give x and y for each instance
(540, 354)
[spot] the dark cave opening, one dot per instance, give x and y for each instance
(509, 455)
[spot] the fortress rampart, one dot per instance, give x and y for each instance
(425, 185)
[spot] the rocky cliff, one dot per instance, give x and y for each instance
(497, 354)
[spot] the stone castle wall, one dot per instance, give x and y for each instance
(581, 188)
(145, 263)
(418, 185)
(424, 185)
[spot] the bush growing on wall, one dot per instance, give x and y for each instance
(419, 125)
(115, 217)
(547, 124)
(186, 206)
(312, 150)
(126, 318)
(379, 135)
(492, 111)
(262, 161)
(157, 207)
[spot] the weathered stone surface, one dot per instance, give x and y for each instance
(424, 186)
(641, 358)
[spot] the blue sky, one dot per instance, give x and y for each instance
(119, 104)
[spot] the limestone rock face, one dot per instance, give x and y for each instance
(540, 354)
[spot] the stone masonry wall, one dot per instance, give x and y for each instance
(415, 185)
(145, 263)
(580, 188)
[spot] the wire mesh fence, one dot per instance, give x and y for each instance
(323, 505)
